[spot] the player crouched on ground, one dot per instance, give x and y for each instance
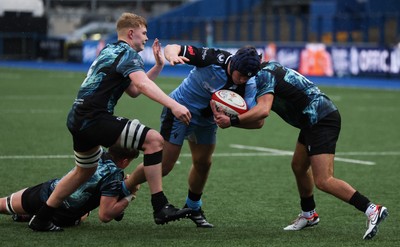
(105, 189)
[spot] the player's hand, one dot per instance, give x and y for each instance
(222, 120)
(157, 52)
(182, 113)
(175, 59)
(135, 190)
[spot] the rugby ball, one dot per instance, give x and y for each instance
(231, 103)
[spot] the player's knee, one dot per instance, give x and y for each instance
(323, 184)
(202, 167)
(299, 168)
(294, 167)
(153, 143)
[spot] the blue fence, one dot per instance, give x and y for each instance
(330, 21)
(227, 23)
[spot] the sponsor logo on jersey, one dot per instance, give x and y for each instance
(204, 53)
(191, 51)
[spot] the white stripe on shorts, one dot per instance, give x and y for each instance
(131, 134)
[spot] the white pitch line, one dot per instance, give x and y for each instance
(369, 153)
(9, 157)
(263, 151)
(284, 152)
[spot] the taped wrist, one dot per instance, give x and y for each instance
(130, 198)
(234, 120)
(125, 189)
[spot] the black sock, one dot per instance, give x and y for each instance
(359, 201)
(45, 213)
(194, 197)
(158, 200)
(307, 203)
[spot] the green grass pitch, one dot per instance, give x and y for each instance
(251, 193)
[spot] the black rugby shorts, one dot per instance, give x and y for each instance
(321, 138)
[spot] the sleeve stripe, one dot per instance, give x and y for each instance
(184, 51)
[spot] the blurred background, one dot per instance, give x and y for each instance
(331, 38)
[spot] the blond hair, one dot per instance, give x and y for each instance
(130, 20)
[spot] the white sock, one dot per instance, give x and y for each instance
(370, 210)
(308, 214)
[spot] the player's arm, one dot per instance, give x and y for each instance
(172, 54)
(110, 207)
(252, 119)
(200, 57)
(152, 74)
(159, 58)
(147, 87)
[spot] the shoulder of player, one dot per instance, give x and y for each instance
(106, 166)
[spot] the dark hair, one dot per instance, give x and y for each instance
(119, 153)
(246, 61)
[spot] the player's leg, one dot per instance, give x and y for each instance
(324, 137)
(171, 154)
(152, 152)
(305, 185)
(12, 204)
(324, 180)
(173, 132)
(322, 167)
(198, 175)
(302, 171)
(313, 141)
(86, 164)
(202, 145)
(135, 135)
(201, 165)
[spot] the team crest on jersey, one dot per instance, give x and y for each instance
(137, 62)
(221, 58)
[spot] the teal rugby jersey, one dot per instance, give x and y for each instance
(106, 81)
(106, 181)
(297, 100)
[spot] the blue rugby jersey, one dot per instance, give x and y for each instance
(208, 75)
(106, 81)
(297, 100)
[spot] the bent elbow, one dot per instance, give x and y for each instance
(264, 114)
(260, 124)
